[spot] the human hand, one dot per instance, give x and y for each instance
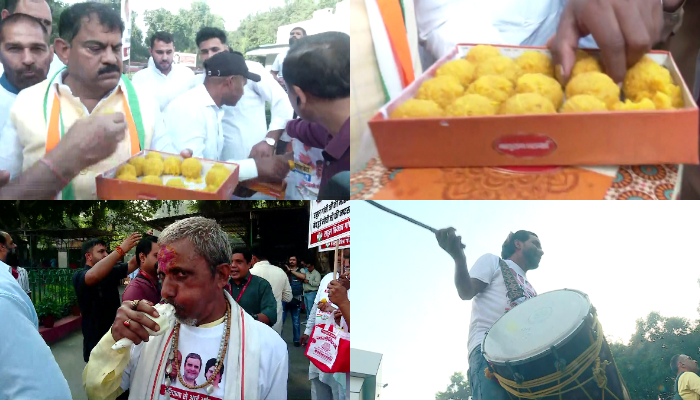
(130, 242)
(274, 169)
(304, 339)
(262, 150)
(451, 243)
(337, 293)
(89, 141)
(624, 30)
(4, 178)
(135, 330)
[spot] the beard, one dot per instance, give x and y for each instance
(179, 314)
(164, 67)
(533, 258)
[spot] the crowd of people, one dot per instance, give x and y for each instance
(229, 306)
(68, 116)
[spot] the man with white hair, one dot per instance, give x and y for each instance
(194, 258)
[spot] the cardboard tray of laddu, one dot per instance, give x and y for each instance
(276, 190)
(110, 188)
(600, 138)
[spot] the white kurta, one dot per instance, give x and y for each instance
(194, 121)
(281, 288)
(153, 81)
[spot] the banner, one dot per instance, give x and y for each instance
(330, 246)
(186, 59)
(126, 37)
(329, 221)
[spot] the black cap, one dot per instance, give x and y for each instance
(229, 64)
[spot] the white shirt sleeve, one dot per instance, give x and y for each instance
(185, 129)
(161, 141)
(287, 293)
(174, 91)
(274, 366)
(276, 65)
(484, 268)
(280, 107)
(131, 366)
(311, 320)
(11, 156)
(247, 169)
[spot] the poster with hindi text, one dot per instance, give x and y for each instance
(329, 221)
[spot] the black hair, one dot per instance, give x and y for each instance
(144, 246)
(165, 37)
(71, 20)
(298, 28)
(17, 18)
(245, 251)
(260, 250)
(508, 248)
(212, 363)
(209, 32)
(3, 241)
(320, 65)
(193, 355)
(674, 364)
(89, 245)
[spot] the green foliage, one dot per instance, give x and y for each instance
(254, 30)
(139, 47)
(48, 307)
(183, 26)
(458, 389)
(120, 217)
(216, 206)
(644, 362)
(261, 28)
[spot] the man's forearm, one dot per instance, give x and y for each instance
(462, 279)
(264, 319)
(40, 181)
(100, 270)
(298, 274)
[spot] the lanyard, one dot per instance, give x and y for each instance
(149, 279)
(56, 128)
(250, 276)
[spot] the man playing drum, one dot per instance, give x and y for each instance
(496, 285)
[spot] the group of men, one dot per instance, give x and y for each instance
(219, 343)
(61, 127)
(253, 284)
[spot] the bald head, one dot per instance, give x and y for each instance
(682, 363)
(38, 9)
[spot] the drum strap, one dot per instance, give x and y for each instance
(515, 292)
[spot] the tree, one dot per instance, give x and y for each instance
(458, 389)
(118, 217)
(139, 44)
(215, 206)
(184, 25)
(261, 28)
(644, 362)
(57, 8)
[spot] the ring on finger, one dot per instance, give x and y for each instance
(127, 323)
(135, 304)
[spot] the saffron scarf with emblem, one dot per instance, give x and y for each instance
(55, 128)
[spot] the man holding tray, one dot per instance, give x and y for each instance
(495, 285)
(91, 86)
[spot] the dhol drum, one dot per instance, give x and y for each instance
(552, 347)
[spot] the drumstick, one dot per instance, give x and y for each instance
(409, 219)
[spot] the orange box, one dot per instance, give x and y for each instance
(109, 188)
(277, 191)
(601, 138)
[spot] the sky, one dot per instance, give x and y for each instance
(232, 11)
(631, 258)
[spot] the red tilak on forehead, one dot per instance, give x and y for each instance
(166, 258)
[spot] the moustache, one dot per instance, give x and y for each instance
(108, 69)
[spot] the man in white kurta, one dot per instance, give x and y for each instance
(162, 74)
(276, 277)
(209, 347)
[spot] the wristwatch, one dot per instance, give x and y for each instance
(270, 141)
